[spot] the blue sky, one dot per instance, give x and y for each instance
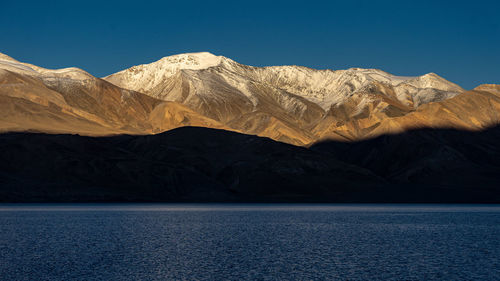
(457, 40)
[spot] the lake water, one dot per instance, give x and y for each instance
(249, 242)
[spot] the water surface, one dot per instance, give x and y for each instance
(248, 241)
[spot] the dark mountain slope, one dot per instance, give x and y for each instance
(446, 158)
(185, 164)
(207, 165)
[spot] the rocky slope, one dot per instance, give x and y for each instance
(477, 109)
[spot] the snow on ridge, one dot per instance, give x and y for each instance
(13, 65)
(171, 64)
(146, 76)
(193, 61)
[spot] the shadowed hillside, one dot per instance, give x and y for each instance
(209, 165)
(447, 158)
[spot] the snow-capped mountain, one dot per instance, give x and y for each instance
(323, 87)
(289, 103)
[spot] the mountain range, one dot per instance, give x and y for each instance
(291, 104)
(201, 127)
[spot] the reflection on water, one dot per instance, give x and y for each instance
(248, 241)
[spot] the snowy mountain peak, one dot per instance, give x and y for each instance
(146, 76)
(193, 61)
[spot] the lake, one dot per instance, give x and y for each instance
(249, 242)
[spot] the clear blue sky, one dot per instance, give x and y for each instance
(457, 40)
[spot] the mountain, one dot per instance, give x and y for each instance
(298, 105)
(208, 165)
(71, 100)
